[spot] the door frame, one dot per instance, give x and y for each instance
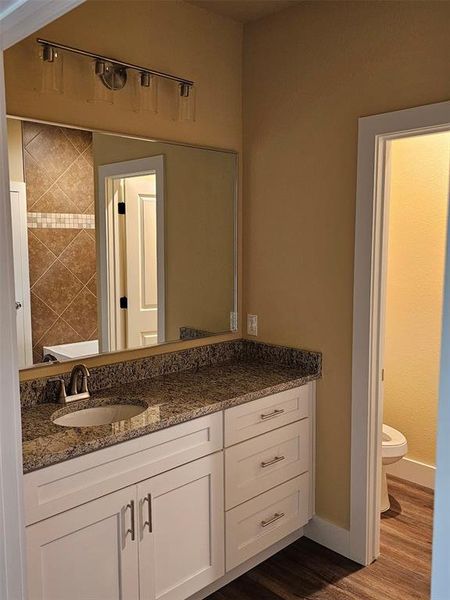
(111, 269)
(19, 226)
(18, 22)
(374, 136)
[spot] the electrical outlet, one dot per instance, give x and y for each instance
(252, 324)
(233, 321)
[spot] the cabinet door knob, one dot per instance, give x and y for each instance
(18, 305)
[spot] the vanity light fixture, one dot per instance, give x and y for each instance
(145, 95)
(52, 70)
(99, 91)
(186, 102)
(112, 75)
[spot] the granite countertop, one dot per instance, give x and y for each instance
(168, 400)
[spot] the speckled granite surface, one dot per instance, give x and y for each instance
(167, 399)
(42, 390)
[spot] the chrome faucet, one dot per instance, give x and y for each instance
(76, 392)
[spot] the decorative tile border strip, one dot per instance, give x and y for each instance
(60, 221)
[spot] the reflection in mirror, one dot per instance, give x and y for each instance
(118, 242)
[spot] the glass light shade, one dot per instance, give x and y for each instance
(186, 102)
(145, 93)
(99, 92)
(52, 81)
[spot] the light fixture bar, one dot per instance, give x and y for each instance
(120, 63)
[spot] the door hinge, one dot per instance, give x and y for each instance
(123, 302)
(121, 208)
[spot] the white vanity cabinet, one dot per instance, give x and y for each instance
(269, 450)
(85, 553)
(159, 540)
(170, 514)
(181, 546)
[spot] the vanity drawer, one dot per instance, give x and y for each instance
(262, 415)
(254, 526)
(68, 484)
(264, 462)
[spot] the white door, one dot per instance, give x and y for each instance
(87, 553)
(21, 272)
(181, 530)
(141, 231)
(132, 261)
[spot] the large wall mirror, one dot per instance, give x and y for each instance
(118, 242)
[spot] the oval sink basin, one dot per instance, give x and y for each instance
(99, 415)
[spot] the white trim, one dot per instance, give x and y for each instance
(374, 135)
(313, 448)
(440, 573)
(12, 571)
(108, 235)
(16, 25)
(27, 16)
(414, 471)
(247, 565)
(21, 273)
(329, 535)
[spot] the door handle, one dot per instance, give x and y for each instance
(149, 521)
(275, 413)
(275, 517)
(274, 460)
(132, 530)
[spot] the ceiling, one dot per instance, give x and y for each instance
(6, 6)
(244, 10)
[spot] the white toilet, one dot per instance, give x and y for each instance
(394, 447)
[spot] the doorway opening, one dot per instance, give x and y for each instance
(131, 197)
(398, 300)
(410, 330)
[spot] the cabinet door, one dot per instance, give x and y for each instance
(181, 530)
(87, 553)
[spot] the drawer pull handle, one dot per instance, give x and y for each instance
(149, 521)
(274, 460)
(132, 530)
(275, 413)
(275, 517)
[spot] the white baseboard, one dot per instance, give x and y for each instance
(414, 471)
(329, 535)
(247, 565)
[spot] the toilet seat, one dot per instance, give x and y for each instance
(394, 443)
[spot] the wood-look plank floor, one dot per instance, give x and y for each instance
(306, 570)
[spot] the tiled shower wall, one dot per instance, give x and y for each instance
(61, 235)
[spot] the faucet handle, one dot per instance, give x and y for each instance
(56, 390)
(62, 394)
(62, 390)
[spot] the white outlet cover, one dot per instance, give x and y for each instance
(252, 325)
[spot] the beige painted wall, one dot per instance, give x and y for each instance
(172, 36)
(169, 36)
(414, 293)
(199, 234)
(309, 73)
(15, 154)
